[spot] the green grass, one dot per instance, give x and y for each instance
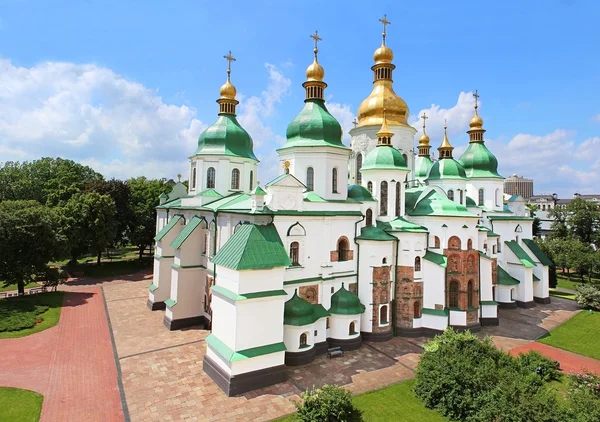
(394, 403)
(18, 405)
(574, 282)
(112, 269)
(49, 318)
(14, 286)
(577, 335)
(120, 254)
(564, 295)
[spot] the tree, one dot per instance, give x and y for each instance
(583, 220)
(559, 225)
(144, 200)
(29, 239)
(537, 222)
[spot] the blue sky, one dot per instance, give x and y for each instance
(127, 86)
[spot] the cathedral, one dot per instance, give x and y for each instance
(347, 244)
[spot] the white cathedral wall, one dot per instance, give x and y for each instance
(161, 277)
(250, 281)
(255, 364)
(493, 190)
(455, 185)
(187, 289)
(223, 166)
(458, 318)
(485, 279)
(524, 290)
(434, 288)
(291, 337)
(454, 227)
(339, 326)
(258, 322)
(392, 177)
(434, 322)
(411, 246)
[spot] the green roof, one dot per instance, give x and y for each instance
(505, 279)
(401, 225)
(253, 247)
(422, 166)
(484, 255)
(374, 233)
(220, 290)
(298, 311)
(226, 137)
(344, 302)
(314, 127)
(537, 251)
(384, 157)
(430, 202)
(446, 168)
(436, 258)
(167, 228)
(520, 253)
(187, 231)
(210, 193)
(283, 176)
(258, 191)
(437, 312)
(509, 218)
(492, 234)
(536, 278)
(471, 202)
(479, 162)
(359, 193)
(232, 356)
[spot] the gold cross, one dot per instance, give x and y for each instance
(385, 23)
(424, 117)
(230, 59)
(476, 95)
(316, 37)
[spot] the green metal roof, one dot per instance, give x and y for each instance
(232, 356)
(374, 233)
(505, 279)
(226, 137)
(314, 127)
(537, 251)
(436, 258)
(520, 253)
(484, 255)
(430, 202)
(298, 311)
(492, 234)
(253, 247)
(344, 302)
(187, 231)
(437, 312)
(258, 191)
(422, 166)
(446, 168)
(210, 193)
(479, 162)
(167, 228)
(283, 176)
(509, 218)
(471, 202)
(401, 225)
(384, 157)
(359, 193)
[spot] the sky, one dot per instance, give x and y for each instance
(128, 86)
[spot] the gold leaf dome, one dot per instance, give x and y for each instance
(383, 54)
(315, 71)
(424, 139)
(370, 111)
(476, 121)
(228, 91)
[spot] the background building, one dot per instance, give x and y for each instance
(518, 185)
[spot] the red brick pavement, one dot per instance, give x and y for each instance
(569, 362)
(71, 364)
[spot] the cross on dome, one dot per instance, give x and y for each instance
(385, 23)
(424, 117)
(229, 59)
(476, 96)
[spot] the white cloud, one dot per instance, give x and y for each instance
(345, 116)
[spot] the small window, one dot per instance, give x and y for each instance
(370, 187)
(417, 309)
(469, 244)
(451, 195)
(327, 320)
(332, 290)
(383, 315)
(461, 193)
(342, 249)
(493, 249)
(453, 295)
(310, 178)
(210, 178)
(418, 263)
(334, 180)
(436, 242)
(369, 217)
(315, 333)
(352, 328)
(206, 242)
(384, 261)
(295, 253)
(235, 179)
(383, 198)
(359, 161)
(497, 197)
(481, 197)
(251, 180)
(194, 178)
(470, 293)
(398, 197)
(303, 340)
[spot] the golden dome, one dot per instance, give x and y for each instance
(424, 139)
(315, 71)
(445, 142)
(384, 130)
(370, 111)
(228, 91)
(383, 54)
(476, 121)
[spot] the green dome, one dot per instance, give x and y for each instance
(297, 311)
(359, 193)
(226, 137)
(314, 127)
(446, 168)
(384, 157)
(471, 202)
(344, 302)
(422, 166)
(479, 162)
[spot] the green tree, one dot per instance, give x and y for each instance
(144, 200)
(29, 239)
(583, 220)
(559, 225)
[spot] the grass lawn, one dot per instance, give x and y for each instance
(577, 335)
(20, 405)
(564, 295)
(574, 282)
(49, 318)
(14, 286)
(394, 403)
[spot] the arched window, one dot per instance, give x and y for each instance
(352, 328)
(383, 315)
(235, 179)
(436, 242)
(497, 197)
(383, 198)
(369, 217)
(398, 197)
(295, 253)
(494, 249)
(461, 193)
(206, 242)
(418, 263)
(194, 178)
(417, 309)
(342, 249)
(451, 195)
(454, 242)
(543, 207)
(210, 178)
(470, 294)
(358, 167)
(370, 187)
(453, 295)
(469, 244)
(303, 340)
(334, 181)
(481, 197)
(310, 178)
(384, 261)
(405, 159)
(251, 186)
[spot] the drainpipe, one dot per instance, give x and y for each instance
(394, 301)
(357, 250)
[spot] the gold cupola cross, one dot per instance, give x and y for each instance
(229, 59)
(385, 23)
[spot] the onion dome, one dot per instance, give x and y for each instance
(314, 126)
(359, 193)
(446, 167)
(297, 311)
(226, 136)
(344, 302)
(370, 111)
(384, 156)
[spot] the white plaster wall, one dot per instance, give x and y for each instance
(379, 176)
(321, 327)
(434, 287)
(434, 322)
(493, 191)
(291, 337)
(411, 246)
(187, 288)
(257, 363)
(258, 321)
(454, 227)
(485, 279)
(224, 365)
(489, 311)
(224, 324)
(458, 318)
(503, 294)
(161, 277)
(455, 185)
(223, 166)
(339, 326)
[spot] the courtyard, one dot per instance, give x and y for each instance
(111, 359)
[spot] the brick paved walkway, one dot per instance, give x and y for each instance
(569, 362)
(71, 364)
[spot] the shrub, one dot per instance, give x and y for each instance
(328, 404)
(19, 313)
(584, 397)
(588, 296)
(547, 369)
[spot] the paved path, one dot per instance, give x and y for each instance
(569, 362)
(71, 364)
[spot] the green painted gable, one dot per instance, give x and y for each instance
(253, 247)
(401, 225)
(479, 162)
(436, 258)
(374, 233)
(446, 168)
(258, 191)
(226, 137)
(520, 253)
(344, 302)
(167, 228)
(210, 193)
(384, 157)
(505, 279)
(537, 251)
(194, 222)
